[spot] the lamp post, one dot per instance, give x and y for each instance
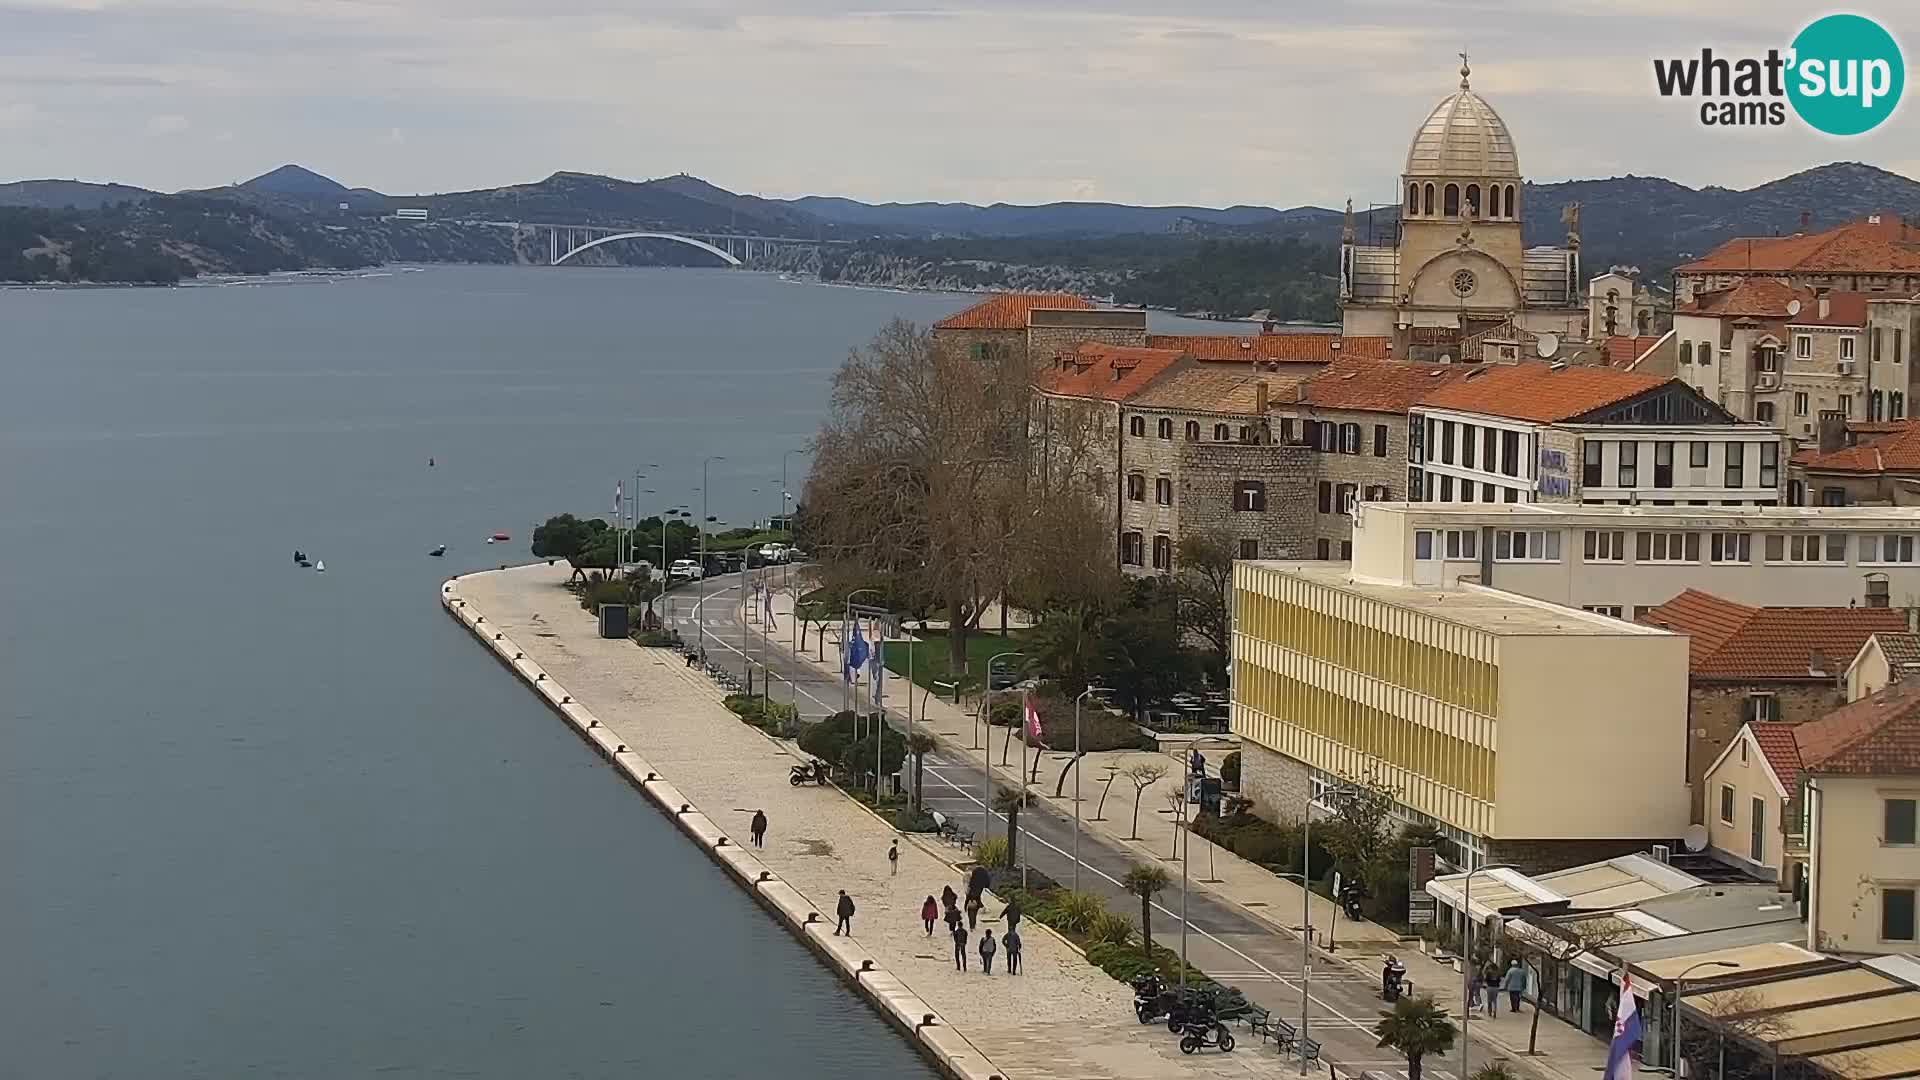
(704, 519)
(786, 497)
(1679, 991)
(1466, 955)
(986, 760)
(1088, 692)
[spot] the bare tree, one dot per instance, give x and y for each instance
(1143, 776)
(1201, 588)
(1560, 943)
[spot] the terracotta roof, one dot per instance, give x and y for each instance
(1754, 298)
(1008, 311)
(1389, 386)
(1889, 246)
(1214, 388)
(1727, 640)
(1106, 372)
(1901, 650)
(1896, 449)
(1293, 348)
(1540, 392)
(1622, 351)
(1781, 751)
(1875, 736)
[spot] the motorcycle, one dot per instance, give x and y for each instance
(1195, 1007)
(1149, 998)
(1195, 1034)
(1393, 981)
(812, 773)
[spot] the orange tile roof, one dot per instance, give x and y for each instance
(1891, 246)
(1539, 392)
(1893, 448)
(1621, 351)
(1754, 298)
(1389, 386)
(1727, 640)
(1295, 348)
(1008, 311)
(1875, 736)
(1215, 388)
(1781, 751)
(1105, 372)
(1843, 309)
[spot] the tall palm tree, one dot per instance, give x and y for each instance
(1146, 882)
(1416, 1027)
(919, 746)
(1009, 803)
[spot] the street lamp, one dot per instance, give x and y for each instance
(1466, 956)
(986, 760)
(1088, 692)
(1679, 991)
(704, 519)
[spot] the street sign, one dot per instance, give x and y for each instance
(1421, 909)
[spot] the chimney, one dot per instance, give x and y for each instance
(1806, 220)
(1832, 432)
(1260, 398)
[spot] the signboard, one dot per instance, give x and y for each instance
(1550, 477)
(1422, 909)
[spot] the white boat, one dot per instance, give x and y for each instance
(320, 565)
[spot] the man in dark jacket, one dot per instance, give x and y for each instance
(758, 826)
(959, 945)
(845, 912)
(979, 882)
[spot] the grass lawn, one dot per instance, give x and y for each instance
(930, 656)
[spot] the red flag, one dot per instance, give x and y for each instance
(1034, 732)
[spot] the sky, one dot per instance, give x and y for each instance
(1205, 102)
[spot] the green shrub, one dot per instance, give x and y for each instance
(907, 821)
(603, 592)
(992, 852)
(1495, 1070)
(1109, 928)
(656, 639)
(1230, 770)
(1123, 962)
(1267, 848)
(1077, 910)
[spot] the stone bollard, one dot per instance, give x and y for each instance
(619, 748)
(764, 876)
(720, 843)
(926, 1020)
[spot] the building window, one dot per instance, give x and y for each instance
(1731, 547)
(1463, 544)
(1446, 442)
(1896, 406)
(1413, 199)
(1526, 545)
(1900, 822)
(1605, 546)
(1249, 549)
(1802, 347)
(1846, 406)
(1686, 352)
(1629, 464)
(1136, 487)
(1222, 433)
(1875, 405)
(1602, 609)
(1796, 493)
(1249, 495)
(1379, 493)
(1726, 804)
(1163, 490)
(1466, 445)
(1757, 832)
(1326, 496)
(1663, 464)
(1736, 465)
(1512, 494)
(1380, 439)
(1473, 200)
(1590, 463)
(1446, 489)
(1350, 438)
(1671, 547)
(1130, 548)
(1833, 496)
(1451, 204)
(1884, 548)
(1137, 425)
(1329, 437)
(1345, 494)
(1800, 403)
(1426, 201)
(1697, 455)
(1193, 431)
(1896, 913)
(1769, 358)
(1166, 428)
(1323, 550)
(1163, 552)
(1488, 437)
(1763, 411)
(1846, 348)
(1760, 708)
(1705, 355)
(1807, 547)
(1509, 454)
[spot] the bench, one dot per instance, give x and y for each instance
(950, 830)
(1309, 1052)
(1272, 1027)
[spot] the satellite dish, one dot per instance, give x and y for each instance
(1695, 838)
(1547, 344)
(1793, 307)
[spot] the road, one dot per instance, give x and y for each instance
(1220, 938)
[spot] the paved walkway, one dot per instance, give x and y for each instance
(1565, 1053)
(1063, 1018)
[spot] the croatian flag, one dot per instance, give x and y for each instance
(1626, 1032)
(1034, 732)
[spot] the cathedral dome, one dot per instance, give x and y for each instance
(1463, 137)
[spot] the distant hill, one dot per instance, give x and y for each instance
(296, 180)
(57, 194)
(1008, 219)
(587, 199)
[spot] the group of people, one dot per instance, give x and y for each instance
(1489, 981)
(960, 927)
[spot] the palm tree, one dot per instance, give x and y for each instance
(1009, 802)
(919, 746)
(1146, 882)
(1416, 1027)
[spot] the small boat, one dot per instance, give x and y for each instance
(439, 551)
(490, 540)
(299, 556)
(321, 566)
(501, 538)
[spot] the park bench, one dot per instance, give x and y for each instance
(1281, 1032)
(1309, 1052)
(951, 832)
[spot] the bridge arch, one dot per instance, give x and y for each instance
(688, 240)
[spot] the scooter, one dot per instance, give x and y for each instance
(812, 773)
(1194, 1035)
(1149, 998)
(1195, 1007)
(1393, 981)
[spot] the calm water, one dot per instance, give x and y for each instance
(264, 822)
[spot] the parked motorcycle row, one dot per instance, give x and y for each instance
(1198, 1017)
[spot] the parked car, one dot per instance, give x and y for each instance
(686, 568)
(775, 553)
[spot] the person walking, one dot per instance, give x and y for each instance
(893, 858)
(1011, 939)
(959, 945)
(929, 912)
(759, 828)
(987, 948)
(948, 898)
(953, 918)
(845, 911)
(1011, 913)
(979, 881)
(1516, 984)
(1475, 979)
(1491, 980)
(973, 912)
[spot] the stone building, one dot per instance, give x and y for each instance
(1864, 464)
(1774, 354)
(996, 328)
(1761, 665)
(1459, 265)
(1884, 660)
(1880, 254)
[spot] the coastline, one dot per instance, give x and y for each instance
(938, 1041)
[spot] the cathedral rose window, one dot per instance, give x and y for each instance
(1464, 282)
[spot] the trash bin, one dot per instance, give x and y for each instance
(613, 620)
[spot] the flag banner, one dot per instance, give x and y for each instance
(856, 653)
(1626, 1032)
(616, 500)
(876, 668)
(1035, 733)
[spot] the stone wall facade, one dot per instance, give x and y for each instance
(1365, 472)
(1204, 490)
(1044, 342)
(981, 345)
(1715, 711)
(1278, 785)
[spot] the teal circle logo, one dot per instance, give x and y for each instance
(1846, 74)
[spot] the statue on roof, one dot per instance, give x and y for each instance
(1570, 215)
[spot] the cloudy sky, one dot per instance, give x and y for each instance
(1276, 102)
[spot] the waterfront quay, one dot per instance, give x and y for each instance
(1061, 1018)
